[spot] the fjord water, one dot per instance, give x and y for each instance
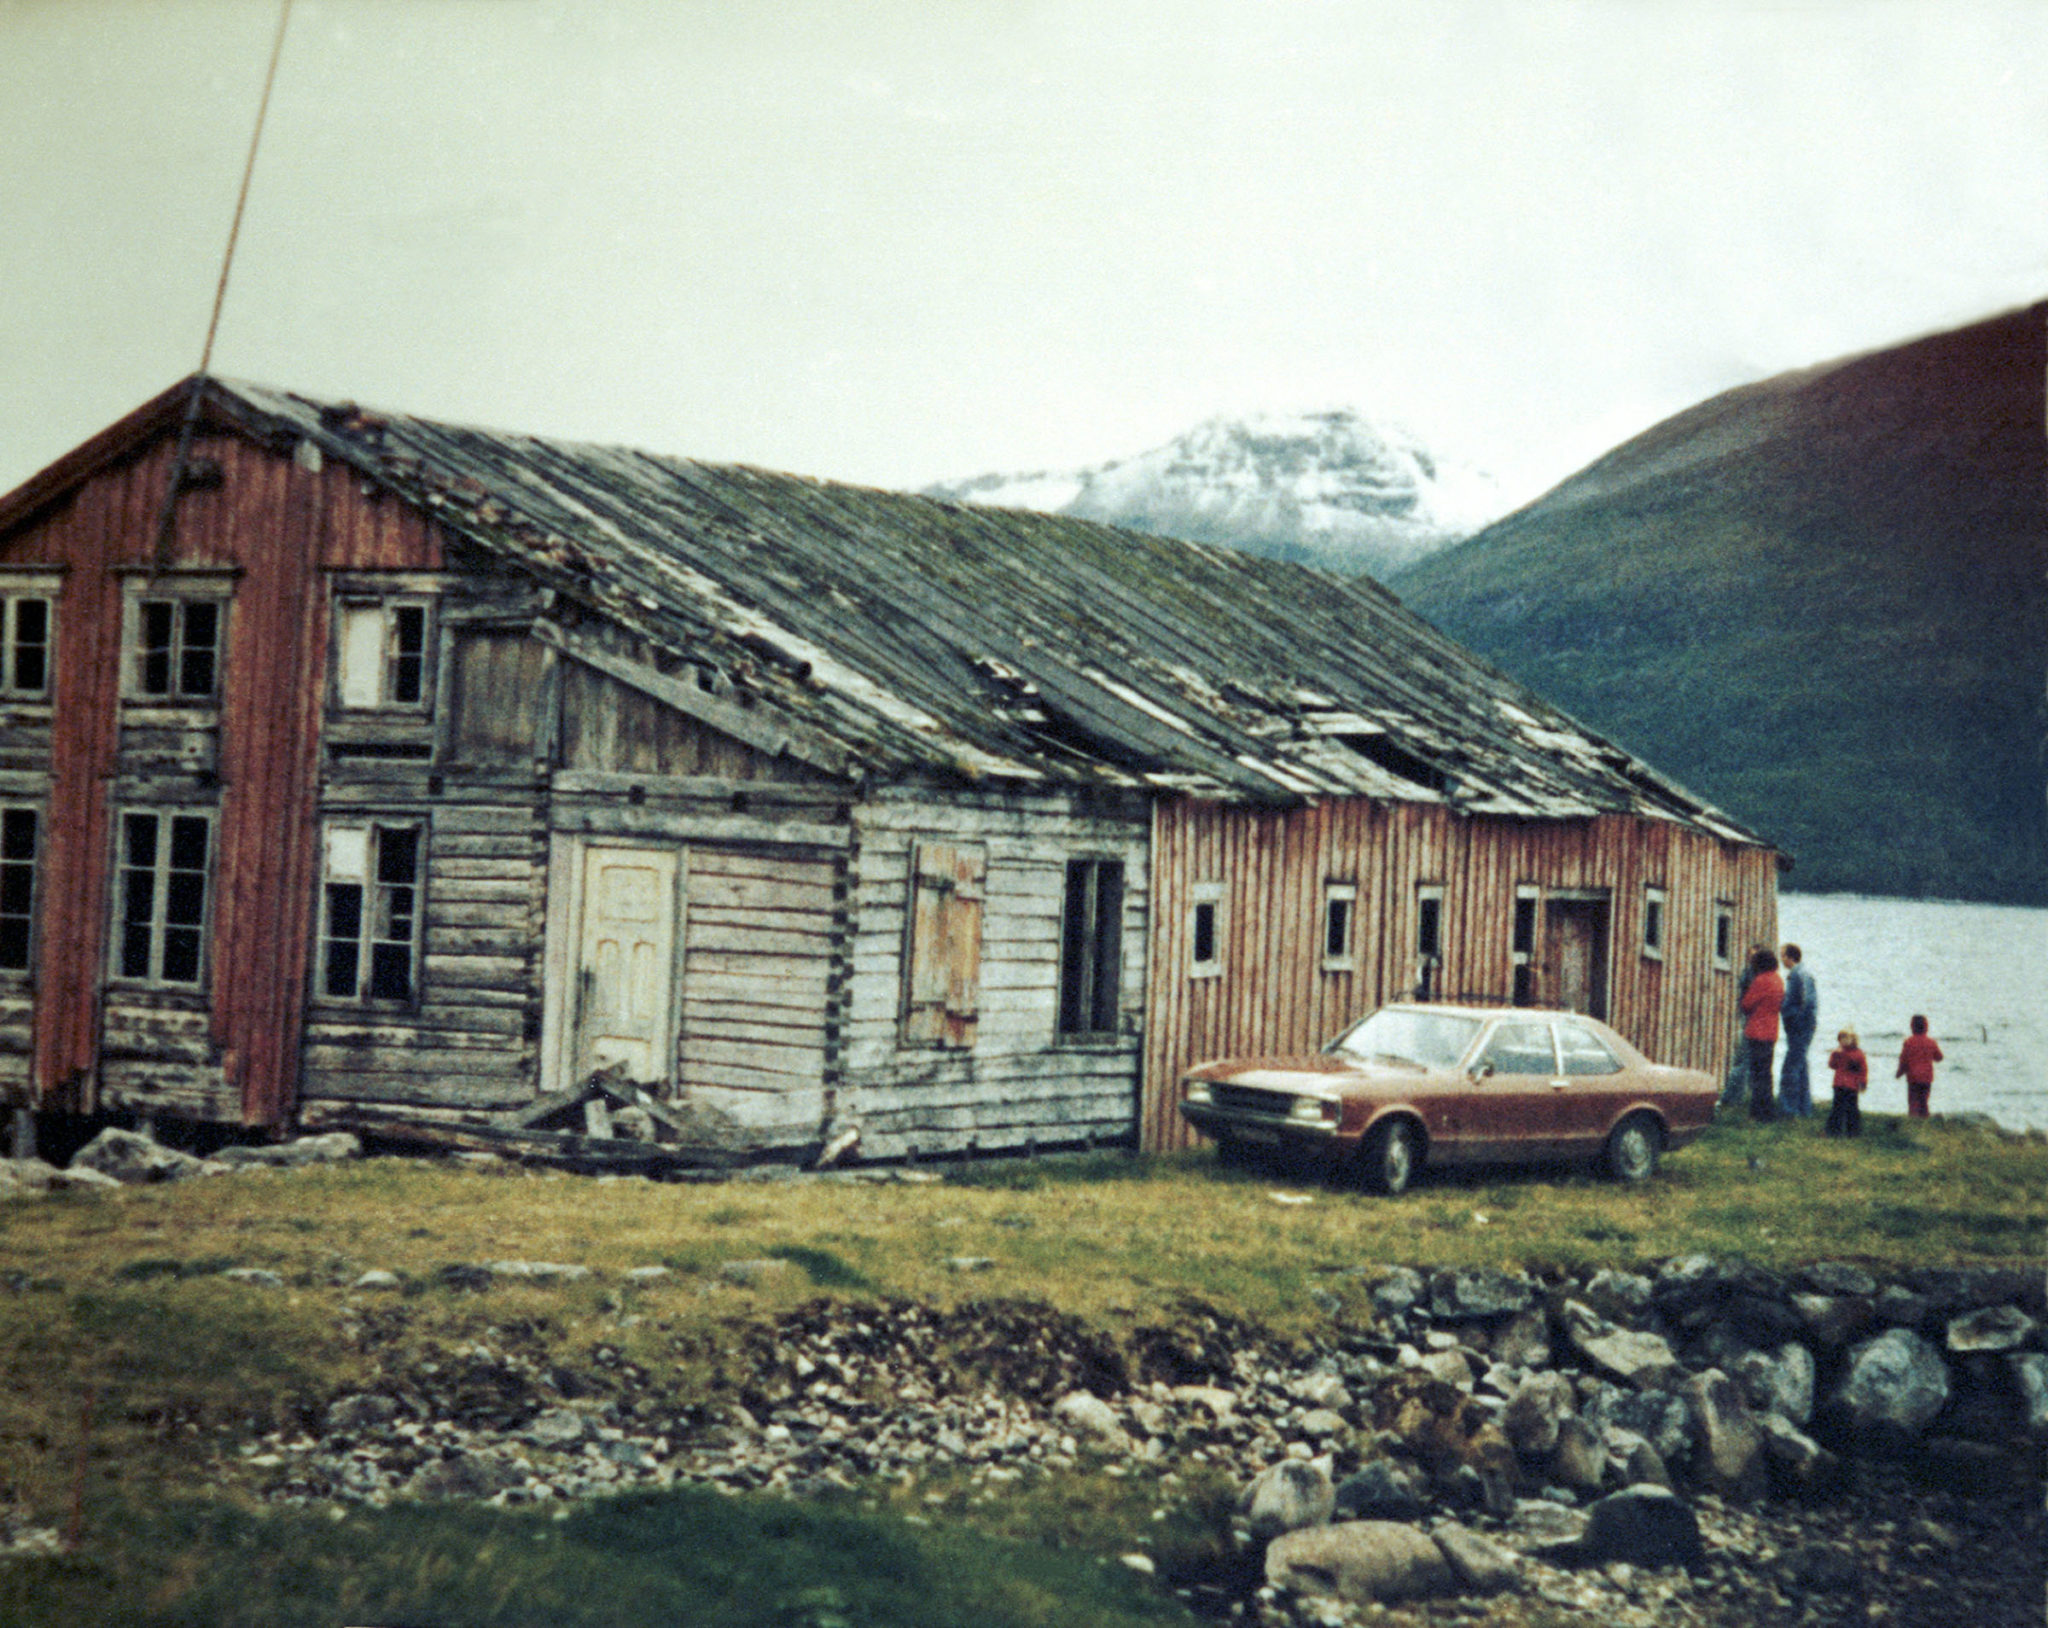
(1979, 972)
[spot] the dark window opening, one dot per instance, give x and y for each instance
(163, 888)
(1204, 947)
(1653, 925)
(1091, 947)
(1429, 945)
(17, 887)
(1396, 759)
(1336, 929)
(24, 646)
(1724, 936)
(177, 653)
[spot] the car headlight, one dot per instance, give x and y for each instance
(1315, 1109)
(1198, 1091)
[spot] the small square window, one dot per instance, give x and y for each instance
(175, 649)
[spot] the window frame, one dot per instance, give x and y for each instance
(1521, 946)
(13, 595)
(158, 924)
(1345, 957)
(1656, 921)
(1205, 904)
(215, 590)
(1092, 991)
(387, 608)
(31, 914)
(944, 910)
(372, 911)
(1429, 947)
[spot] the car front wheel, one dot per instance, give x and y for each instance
(1633, 1147)
(1390, 1157)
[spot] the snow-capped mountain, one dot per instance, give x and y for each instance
(1331, 489)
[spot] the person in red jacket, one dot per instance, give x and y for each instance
(1760, 1003)
(1917, 1058)
(1852, 1074)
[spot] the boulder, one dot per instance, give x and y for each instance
(1894, 1386)
(1448, 1366)
(29, 1175)
(1379, 1491)
(1397, 1294)
(362, 1410)
(1533, 1413)
(1480, 1565)
(1635, 1358)
(2030, 1378)
(1643, 1466)
(1730, 1456)
(1086, 1414)
(1624, 1295)
(133, 1159)
(1482, 1293)
(1662, 1419)
(539, 1271)
(1523, 1341)
(1796, 1460)
(558, 1429)
(1779, 1381)
(1644, 1526)
(1287, 1497)
(1995, 1328)
(1838, 1278)
(1580, 1459)
(1360, 1561)
(466, 1475)
(330, 1148)
(1834, 1322)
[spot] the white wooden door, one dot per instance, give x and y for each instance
(626, 967)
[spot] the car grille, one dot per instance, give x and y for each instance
(1250, 1099)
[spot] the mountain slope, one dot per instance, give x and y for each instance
(1818, 601)
(1329, 489)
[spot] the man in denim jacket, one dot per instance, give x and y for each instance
(1800, 1014)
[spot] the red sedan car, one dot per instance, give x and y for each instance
(1456, 1085)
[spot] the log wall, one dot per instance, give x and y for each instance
(1020, 1083)
(1268, 870)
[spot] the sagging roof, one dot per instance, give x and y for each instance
(889, 634)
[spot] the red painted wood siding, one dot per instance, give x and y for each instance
(280, 524)
(1273, 994)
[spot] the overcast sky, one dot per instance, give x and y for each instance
(895, 242)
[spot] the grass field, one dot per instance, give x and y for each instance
(127, 1358)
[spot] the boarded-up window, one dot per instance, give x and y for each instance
(942, 966)
(1091, 946)
(496, 689)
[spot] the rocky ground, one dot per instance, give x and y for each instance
(1706, 1442)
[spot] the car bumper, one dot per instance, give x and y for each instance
(1265, 1130)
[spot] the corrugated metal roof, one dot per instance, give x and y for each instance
(921, 635)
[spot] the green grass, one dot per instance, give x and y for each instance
(127, 1357)
(656, 1559)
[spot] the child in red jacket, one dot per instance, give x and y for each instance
(1917, 1058)
(1852, 1074)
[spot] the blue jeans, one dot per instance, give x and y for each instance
(1795, 1091)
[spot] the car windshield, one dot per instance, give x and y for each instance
(1396, 1034)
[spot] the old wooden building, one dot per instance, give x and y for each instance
(351, 762)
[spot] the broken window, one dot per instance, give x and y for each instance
(1091, 947)
(942, 963)
(19, 844)
(161, 896)
(175, 650)
(25, 646)
(370, 912)
(381, 654)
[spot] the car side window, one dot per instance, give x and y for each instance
(1584, 1051)
(1520, 1048)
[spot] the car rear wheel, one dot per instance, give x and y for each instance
(1390, 1157)
(1632, 1149)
